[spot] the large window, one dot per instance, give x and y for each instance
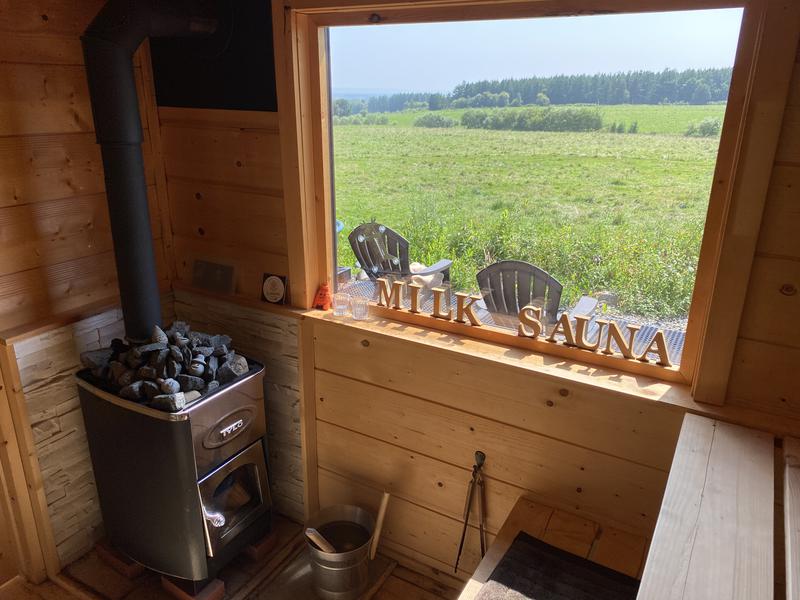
(557, 171)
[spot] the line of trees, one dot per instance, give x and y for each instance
(691, 86)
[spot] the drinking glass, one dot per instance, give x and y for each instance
(341, 304)
(360, 308)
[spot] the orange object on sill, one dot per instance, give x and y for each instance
(322, 301)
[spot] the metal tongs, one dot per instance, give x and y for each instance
(477, 481)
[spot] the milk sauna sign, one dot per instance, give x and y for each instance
(610, 339)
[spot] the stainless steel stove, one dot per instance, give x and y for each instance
(181, 493)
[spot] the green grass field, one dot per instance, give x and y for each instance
(599, 211)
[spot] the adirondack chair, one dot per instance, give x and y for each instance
(382, 252)
(508, 285)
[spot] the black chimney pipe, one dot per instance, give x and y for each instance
(108, 46)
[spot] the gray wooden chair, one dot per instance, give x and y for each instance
(509, 285)
(382, 252)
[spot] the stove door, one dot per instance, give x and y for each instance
(233, 496)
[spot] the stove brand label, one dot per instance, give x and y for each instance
(229, 427)
(236, 425)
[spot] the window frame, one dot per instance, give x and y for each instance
(759, 87)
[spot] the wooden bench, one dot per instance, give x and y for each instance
(714, 538)
(715, 532)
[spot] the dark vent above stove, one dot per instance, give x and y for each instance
(233, 69)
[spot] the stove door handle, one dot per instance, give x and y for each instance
(216, 519)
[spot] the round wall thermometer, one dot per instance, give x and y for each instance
(273, 289)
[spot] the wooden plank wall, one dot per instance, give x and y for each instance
(223, 172)
(764, 373)
(271, 339)
(55, 243)
(407, 417)
(64, 483)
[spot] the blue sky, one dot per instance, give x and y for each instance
(437, 56)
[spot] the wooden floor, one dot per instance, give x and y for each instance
(402, 584)
(92, 579)
(17, 589)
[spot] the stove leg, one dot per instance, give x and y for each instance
(123, 565)
(193, 590)
(260, 549)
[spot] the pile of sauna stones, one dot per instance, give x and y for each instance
(172, 369)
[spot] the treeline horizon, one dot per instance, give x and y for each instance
(670, 86)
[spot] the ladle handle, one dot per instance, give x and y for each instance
(373, 550)
(323, 544)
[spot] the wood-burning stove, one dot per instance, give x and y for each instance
(184, 492)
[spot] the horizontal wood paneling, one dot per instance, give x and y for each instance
(56, 253)
(408, 417)
(781, 220)
(249, 265)
(32, 295)
(772, 309)
(618, 426)
(45, 31)
(55, 231)
(44, 17)
(226, 206)
(234, 157)
(41, 49)
(42, 99)
(48, 167)
(224, 119)
(418, 478)
(583, 479)
(221, 215)
(411, 529)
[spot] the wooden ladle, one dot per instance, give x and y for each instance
(320, 541)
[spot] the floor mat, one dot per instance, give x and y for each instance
(534, 570)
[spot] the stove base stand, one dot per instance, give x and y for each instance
(260, 549)
(127, 567)
(181, 589)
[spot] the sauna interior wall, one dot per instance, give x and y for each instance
(409, 416)
(395, 414)
(55, 244)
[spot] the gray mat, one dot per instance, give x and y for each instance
(534, 570)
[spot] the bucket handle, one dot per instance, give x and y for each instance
(373, 550)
